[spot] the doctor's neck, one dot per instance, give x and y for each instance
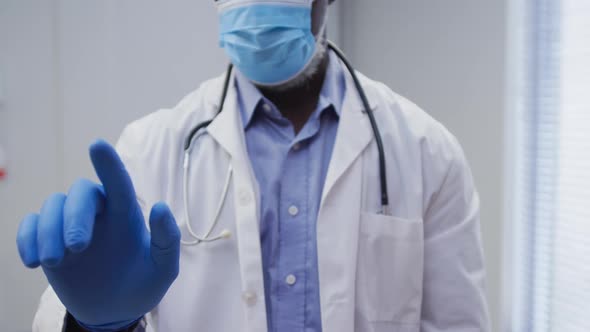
(298, 101)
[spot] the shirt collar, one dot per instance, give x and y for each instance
(332, 93)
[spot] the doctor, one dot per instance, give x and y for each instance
(284, 223)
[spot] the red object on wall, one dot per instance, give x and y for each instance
(3, 164)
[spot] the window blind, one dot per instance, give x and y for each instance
(551, 208)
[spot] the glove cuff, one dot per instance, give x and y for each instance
(125, 326)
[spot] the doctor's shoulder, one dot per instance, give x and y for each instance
(417, 138)
(410, 120)
(168, 127)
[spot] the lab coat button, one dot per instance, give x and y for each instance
(249, 298)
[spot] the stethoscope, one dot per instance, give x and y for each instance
(196, 132)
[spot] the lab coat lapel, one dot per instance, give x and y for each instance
(227, 128)
(228, 131)
(354, 134)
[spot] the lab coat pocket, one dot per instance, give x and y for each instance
(390, 267)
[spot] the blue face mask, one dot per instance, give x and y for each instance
(270, 42)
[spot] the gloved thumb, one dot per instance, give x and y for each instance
(165, 240)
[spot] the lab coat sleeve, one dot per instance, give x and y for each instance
(51, 313)
(454, 295)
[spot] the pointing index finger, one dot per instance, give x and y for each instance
(113, 175)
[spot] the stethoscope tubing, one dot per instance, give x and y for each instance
(361, 91)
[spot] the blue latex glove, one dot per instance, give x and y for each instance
(96, 251)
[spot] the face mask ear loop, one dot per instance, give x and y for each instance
(325, 23)
(322, 37)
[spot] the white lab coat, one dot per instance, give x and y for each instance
(421, 269)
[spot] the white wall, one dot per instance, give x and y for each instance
(121, 60)
(448, 57)
(28, 134)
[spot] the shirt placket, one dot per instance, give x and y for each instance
(293, 226)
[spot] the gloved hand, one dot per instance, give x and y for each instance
(95, 250)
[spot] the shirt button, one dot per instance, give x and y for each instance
(293, 210)
(290, 280)
(297, 146)
(249, 298)
(266, 108)
(245, 197)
